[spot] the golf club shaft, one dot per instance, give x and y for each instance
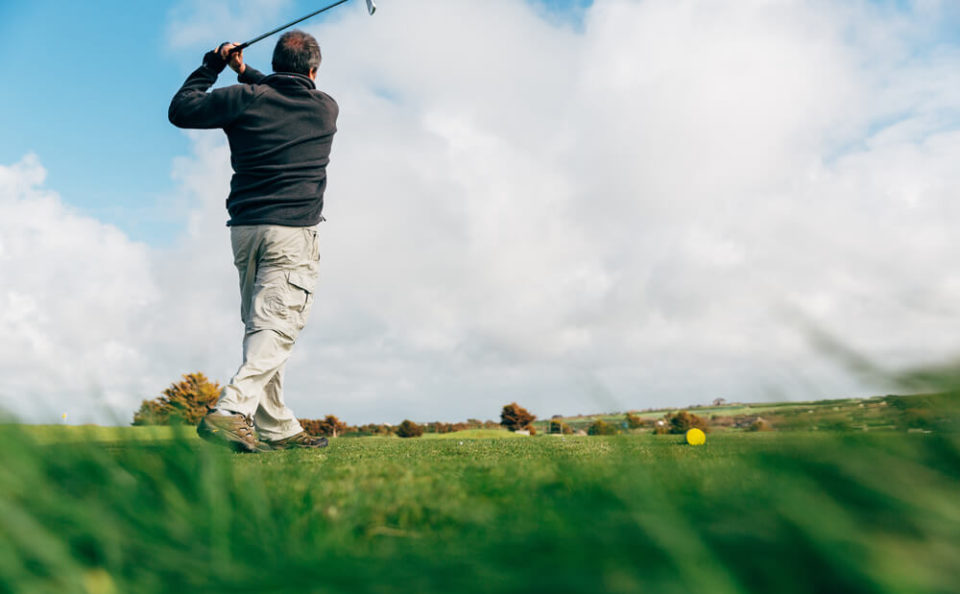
(242, 46)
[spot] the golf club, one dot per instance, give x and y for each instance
(371, 8)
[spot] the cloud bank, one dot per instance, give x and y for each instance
(647, 209)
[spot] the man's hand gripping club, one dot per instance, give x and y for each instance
(233, 59)
(221, 57)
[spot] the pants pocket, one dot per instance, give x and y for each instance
(301, 287)
(313, 241)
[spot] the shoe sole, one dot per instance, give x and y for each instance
(276, 447)
(223, 437)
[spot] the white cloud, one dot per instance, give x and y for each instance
(73, 291)
(195, 23)
(622, 217)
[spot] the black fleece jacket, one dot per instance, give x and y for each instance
(280, 129)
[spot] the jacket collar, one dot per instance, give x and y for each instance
(289, 80)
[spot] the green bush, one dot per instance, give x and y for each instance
(601, 427)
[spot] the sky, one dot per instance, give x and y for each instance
(579, 206)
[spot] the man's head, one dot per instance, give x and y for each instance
(297, 52)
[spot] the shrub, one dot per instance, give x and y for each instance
(374, 429)
(330, 426)
(409, 429)
(760, 424)
(557, 426)
(601, 427)
(183, 402)
(531, 429)
(683, 421)
(633, 421)
(513, 417)
(440, 427)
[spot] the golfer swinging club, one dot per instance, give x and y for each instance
(280, 129)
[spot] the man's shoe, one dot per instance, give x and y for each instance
(234, 431)
(298, 441)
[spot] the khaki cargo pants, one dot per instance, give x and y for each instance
(278, 269)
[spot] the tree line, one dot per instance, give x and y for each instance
(188, 400)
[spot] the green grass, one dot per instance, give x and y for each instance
(780, 512)
(49, 434)
(475, 434)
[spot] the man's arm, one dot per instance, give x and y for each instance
(194, 107)
(250, 76)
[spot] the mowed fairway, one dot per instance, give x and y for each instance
(800, 512)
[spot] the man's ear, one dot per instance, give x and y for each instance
(313, 73)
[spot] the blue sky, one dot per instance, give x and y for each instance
(90, 85)
(576, 205)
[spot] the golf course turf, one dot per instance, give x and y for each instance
(762, 512)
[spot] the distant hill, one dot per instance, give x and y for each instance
(921, 412)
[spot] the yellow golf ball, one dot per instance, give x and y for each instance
(696, 437)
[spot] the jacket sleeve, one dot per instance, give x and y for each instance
(194, 107)
(250, 75)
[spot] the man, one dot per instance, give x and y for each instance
(280, 129)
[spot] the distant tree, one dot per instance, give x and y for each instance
(439, 427)
(513, 417)
(186, 401)
(330, 426)
(557, 426)
(680, 422)
(719, 401)
(601, 427)
(409, 429)
(152, 412)
(375, 429)
(633, 421)
(311, 426)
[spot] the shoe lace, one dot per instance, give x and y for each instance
(247, 429)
